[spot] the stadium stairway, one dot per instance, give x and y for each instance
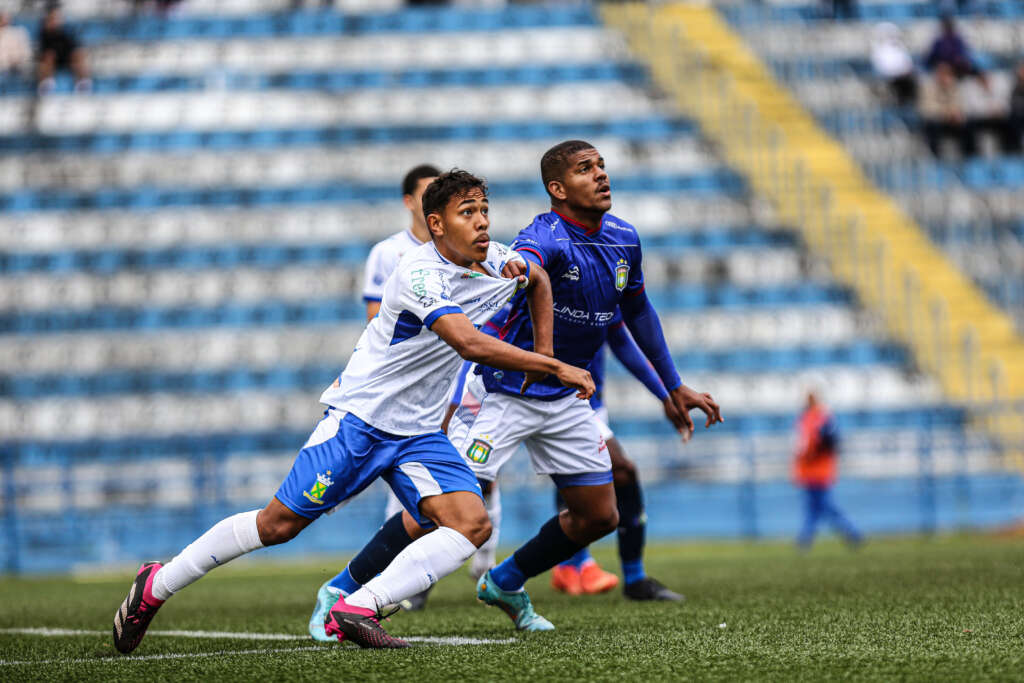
(180, 271)
(813, 182)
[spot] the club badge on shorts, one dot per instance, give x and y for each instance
(316, 493)
(479, 451)
(621, 274)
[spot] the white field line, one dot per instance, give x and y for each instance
(53, 632)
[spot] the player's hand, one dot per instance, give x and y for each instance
(515, 269)
(576, 378)
(683, 399)
(531, 378)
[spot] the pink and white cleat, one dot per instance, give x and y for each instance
(360, 625)
(137, 610)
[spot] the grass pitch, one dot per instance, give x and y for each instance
(920, 609)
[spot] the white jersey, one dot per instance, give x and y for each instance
(383, 260)
(399, 376)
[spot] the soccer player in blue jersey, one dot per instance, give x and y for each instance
(382, 421)
(594, 262)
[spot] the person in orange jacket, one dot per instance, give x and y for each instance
(814, 470)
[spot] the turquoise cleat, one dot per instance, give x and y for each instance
(516, 605)
(325, 599)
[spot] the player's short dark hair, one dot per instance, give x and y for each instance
(450, 184)
(413, 177)
(555, 161)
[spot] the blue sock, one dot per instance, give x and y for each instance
(633, 571)
(344, 582)
(375, 556)
(542, 552)
(632, 530)
(577, 560)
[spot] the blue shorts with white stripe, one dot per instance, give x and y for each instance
(344, 455)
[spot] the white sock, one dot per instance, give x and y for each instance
(416, 568)
(487, 554)
(226, 540)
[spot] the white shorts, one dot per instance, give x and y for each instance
(562, 436)
(601, 415)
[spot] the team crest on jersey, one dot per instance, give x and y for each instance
(471, 274)
(479, 451)
(316, 493)
(621, 274)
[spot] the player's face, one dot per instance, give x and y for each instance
(464, 228)
(586, 184)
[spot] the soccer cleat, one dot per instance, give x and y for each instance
(360, 625)
(650, 589)
(325, 599)
(566, 579)
(516, 605)
(594, 580)
(138, 609)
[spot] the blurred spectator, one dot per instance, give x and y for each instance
(950, 48)
(843, 9)
(942, 111)
(15, 47)
(1016, 131)
(814, 470)
(59, 50)
(892, 62)
(987, 107)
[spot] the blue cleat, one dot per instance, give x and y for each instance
(516, 605)
(325, 599)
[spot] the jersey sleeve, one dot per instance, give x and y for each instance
(378, 270)
(535, 243)
(425, 293)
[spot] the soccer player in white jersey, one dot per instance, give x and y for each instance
(382, 420)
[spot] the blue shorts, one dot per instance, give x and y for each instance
(344, 456)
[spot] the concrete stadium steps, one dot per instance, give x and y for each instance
(333, 81)
(851, 40)
(703, 182)
(533, 47)
(361, 163)
(68, 114)
(166, 413)
(784, 329)
(497, 130)
(263, 21)
(656, 214)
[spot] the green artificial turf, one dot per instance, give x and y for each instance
(922, 609)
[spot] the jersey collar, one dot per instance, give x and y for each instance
(579, 226)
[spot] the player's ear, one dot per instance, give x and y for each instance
(557, 190)
(409, 202)
(435, 225)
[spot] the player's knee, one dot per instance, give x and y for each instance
(603, 522)
(275, 530)
(475, 527)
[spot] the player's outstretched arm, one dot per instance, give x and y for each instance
(620, 341)
(459, 332)
(643, 323)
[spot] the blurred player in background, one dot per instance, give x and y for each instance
(383, 419)
(814, 471)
